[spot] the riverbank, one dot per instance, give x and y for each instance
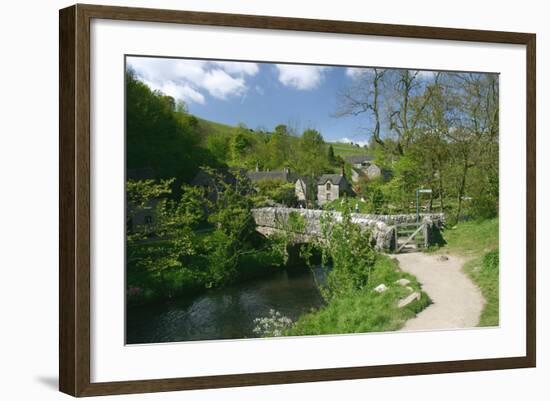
(366, 310)
(224, 313)
(193, 277)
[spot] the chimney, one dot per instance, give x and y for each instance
(342, 171)
(287, 170)
(257, 167)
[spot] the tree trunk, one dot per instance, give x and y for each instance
(462, 187)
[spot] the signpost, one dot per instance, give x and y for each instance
(418, 192)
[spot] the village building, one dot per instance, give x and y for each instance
(331, 186)
(363, 166)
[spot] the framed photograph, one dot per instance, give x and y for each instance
(250, 200)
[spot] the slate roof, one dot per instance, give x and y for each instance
(333, 178)
(256, 176)
(356, 159)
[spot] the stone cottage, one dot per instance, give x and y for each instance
(331, 186)
(363, 166)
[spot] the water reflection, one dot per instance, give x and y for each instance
(224, 313)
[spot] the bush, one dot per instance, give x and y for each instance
(347, 247)
(484, 207)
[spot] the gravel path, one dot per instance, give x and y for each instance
(457, 301)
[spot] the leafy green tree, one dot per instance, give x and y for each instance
(312, 160)
(348, 248)
(160, 135)
(330, 155)
(231, 214)
(156, 252)
(279, 148)
(276, 191)
(219, 145)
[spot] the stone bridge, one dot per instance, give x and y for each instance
(270, 220)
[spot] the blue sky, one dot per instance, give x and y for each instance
(258, 94)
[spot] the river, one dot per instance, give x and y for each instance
(225, 313)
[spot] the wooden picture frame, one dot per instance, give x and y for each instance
(74, 203)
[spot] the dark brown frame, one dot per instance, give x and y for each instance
(74, 199)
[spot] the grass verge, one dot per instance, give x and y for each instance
(478, 241)
(366, 310)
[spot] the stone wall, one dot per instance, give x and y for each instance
(381, 226)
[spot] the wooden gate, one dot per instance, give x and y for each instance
(410, 237)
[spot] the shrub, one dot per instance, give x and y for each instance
(349, 249)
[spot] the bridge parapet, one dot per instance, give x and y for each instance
(269, 219)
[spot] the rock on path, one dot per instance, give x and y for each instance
(457, 301)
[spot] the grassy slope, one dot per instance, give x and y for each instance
(475, 240)
(346, 149)
(366, 310)
(211, 127)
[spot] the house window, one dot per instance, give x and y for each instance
(148, 219)
(328, 186)
(328, 196)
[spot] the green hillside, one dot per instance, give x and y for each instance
(164, 139)
(347, 149)
(207, 127)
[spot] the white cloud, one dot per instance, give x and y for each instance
(302, 77)
(221, 85)
(348, 140)
(181, 91)
(427, 75)
(354, 72)
(237, 67)
(188, 80)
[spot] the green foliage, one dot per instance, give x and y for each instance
(348, 248)
(230, 211)
(240, 143)
(276, 191)
(174, 256)
(289, 234)
(377, 201)
(484, 206)
(330, 155)
(222, 255)
(278, 148)
(160, 135)
(311, 157)
(365, 310)
(219, 146)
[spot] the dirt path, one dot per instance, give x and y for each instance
(457, 301)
